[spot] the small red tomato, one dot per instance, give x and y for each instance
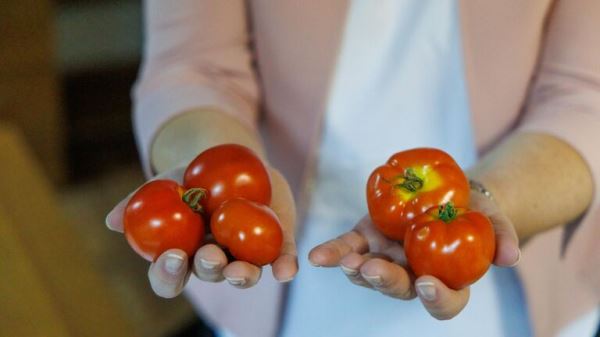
(157, 219)
(455, 245)
(228, 171)
(409, 184)
(249, 230)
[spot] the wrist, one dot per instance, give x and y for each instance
(480, 188)
(184, 136)
(490, 184)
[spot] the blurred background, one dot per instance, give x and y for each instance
(68, 155)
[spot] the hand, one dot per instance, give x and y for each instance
(170, 272)
(371, 260)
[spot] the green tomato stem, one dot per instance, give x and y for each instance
(192, 198)
(447, 212)
(411, 182)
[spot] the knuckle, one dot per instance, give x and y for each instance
(399, 285)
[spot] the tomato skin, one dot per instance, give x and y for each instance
(228, 171)
(392, 207)
(458, 252)
(156, 219)
(249, 230)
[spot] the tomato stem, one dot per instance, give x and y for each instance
(192, 198)
(412, 182)
(447, 212)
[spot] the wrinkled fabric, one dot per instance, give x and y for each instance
(530, 66)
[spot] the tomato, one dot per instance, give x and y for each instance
(453, 244)
(249, 230)
(409, 184)
(228, 171)
(157, 219)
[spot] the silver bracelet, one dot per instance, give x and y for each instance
(478, 187)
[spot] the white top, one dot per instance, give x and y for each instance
(399, 84)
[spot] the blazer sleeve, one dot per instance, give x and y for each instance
(564, 101)
(196, 55)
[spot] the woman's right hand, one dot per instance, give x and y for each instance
(170, 272)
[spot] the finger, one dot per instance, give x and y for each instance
(330, 253)
(174, 174)
(168, 274)
(114, 218)
(377, 242)
(242, 274)
(350, 265)
(285, 267)
(282, 203)
(440, 301)
(508, 253)
(388, 278)
(209, 262)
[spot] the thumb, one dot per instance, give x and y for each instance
(508, 253)
(114, 218)
(282, 203)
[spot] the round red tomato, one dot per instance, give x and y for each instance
(157, 219)
(249, 230)
(410, 183)
(455, 245)
(228, 171)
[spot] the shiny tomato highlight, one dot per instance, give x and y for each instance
(250, 231)
(409, 184)
(228, 171)
(453, 244)
(157, 219)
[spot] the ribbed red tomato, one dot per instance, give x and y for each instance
(228, 171)
(157, 219)
(455, 245)
(409, 184)
(250, 231)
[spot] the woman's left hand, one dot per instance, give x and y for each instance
(371, 260)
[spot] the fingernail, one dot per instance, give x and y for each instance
(349, 271)
(427, 291)
(173, 264)
(518, 258)
(375, 281)
(236, 281)
(107, 220)
(314, 264)
(210, 265)
(286, 280)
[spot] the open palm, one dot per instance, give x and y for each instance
(170, 272)
(371, 260)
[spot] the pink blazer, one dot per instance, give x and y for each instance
(531, 65)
